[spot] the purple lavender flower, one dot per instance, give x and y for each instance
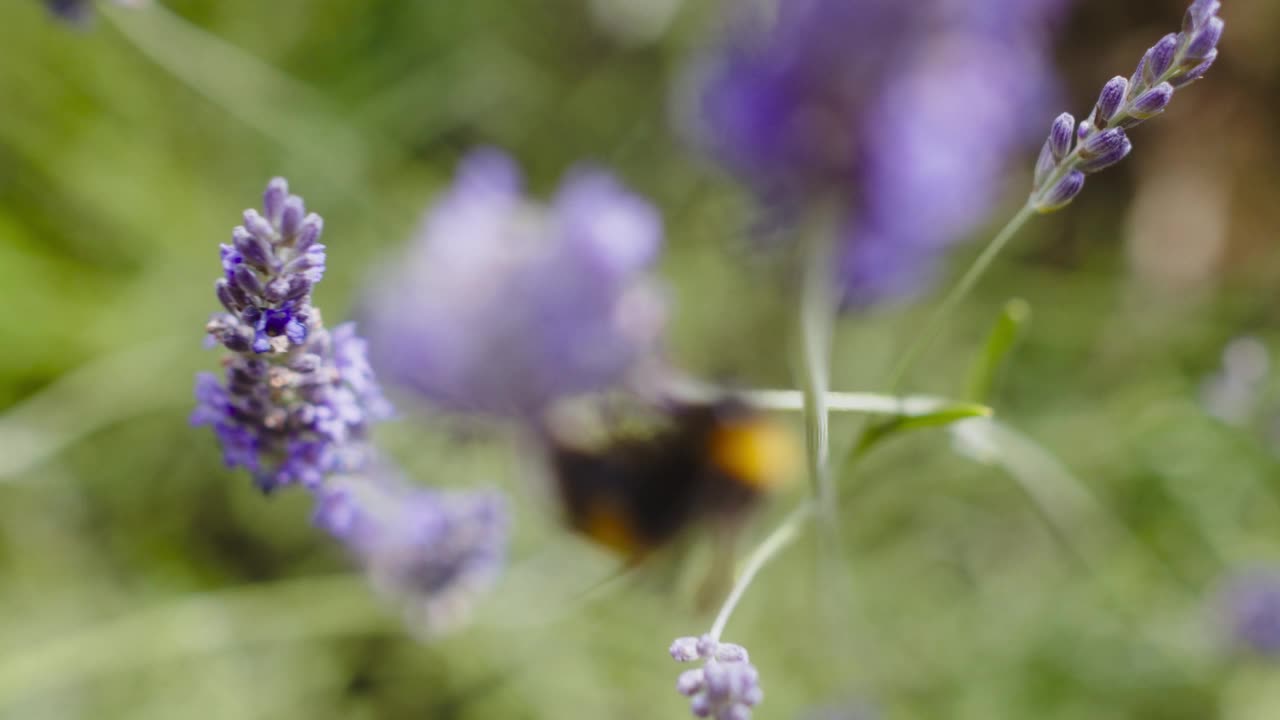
(726, 687)
(1250, 604)
(1177, 60)
(902, 114)
(433, 552)
(295, 400)
(503, 305)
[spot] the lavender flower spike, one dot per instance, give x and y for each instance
(431, 552)
(1174, 62)
(295, 400)
(726, 687)
(503, 305)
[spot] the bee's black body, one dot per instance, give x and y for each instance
(636, 494)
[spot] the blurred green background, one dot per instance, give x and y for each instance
(139, 579)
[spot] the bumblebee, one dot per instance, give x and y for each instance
(708, 461)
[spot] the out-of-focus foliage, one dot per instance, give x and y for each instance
(139, 579)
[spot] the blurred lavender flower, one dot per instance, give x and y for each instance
(296, 399)
(79, 11)
(1250, 603)
(726, 687)
(902, 114)
(1177, 60)
(431, 551)
(503, 305)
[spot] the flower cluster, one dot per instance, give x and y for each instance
(296, 400)
(503, 305)
(726, 687)
(1098, 142)
(295, 406)
(902, 115)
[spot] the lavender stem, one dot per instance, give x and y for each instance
(780, 538)
(817, 325)
(957, 295)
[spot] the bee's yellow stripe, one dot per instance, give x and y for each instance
(755, 452)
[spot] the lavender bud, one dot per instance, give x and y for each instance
(273, 199)
(237, 340)
(1152, 102)
(228, 300)
(1203, 42)
(1085, 130)
(1197, 72)
(255, 251)
(261, 344)
(690, 682)
(1115, 154)
(1055, 148)
(230, 258)
(291, 217)
(274, 291)
(309, 264)
(308, 232)
(718, 681)
(1060, 135)
(1061, 194)
(299, 286)
(1109, 101)
(684, 649)
(707, 646)
(1136, 79)
(258, 226)
(248, 281)
(295, 331)
(700, 706)
(1159, 59)
(1103, 143)
(729, 652)
(1199, 12)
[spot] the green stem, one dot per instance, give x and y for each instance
(957, 295)
(780, 538)
(817, 322)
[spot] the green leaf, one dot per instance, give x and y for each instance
(942, 414)
(1008, 328)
